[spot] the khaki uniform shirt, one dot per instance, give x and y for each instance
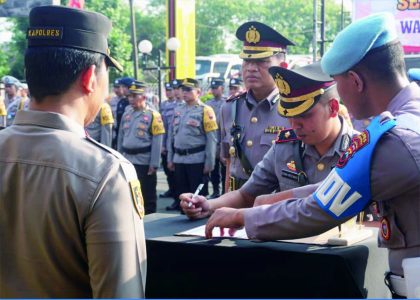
(395, 188)
(193, 126)
(260, 124)
(277, 171)
(101, 128)
(70, 224)
(140, 129)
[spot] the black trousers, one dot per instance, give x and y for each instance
(188, 177)
(218, 173)
(148, 188)
(170, 175)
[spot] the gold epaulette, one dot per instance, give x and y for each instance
(286, 135)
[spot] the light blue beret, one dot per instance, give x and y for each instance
(414, 74)
(10, 80)
(357, 39)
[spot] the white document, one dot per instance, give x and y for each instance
(349, 235)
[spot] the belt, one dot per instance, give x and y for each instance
(396, 284)
(137, 150)
(190, 151)
(236, 183)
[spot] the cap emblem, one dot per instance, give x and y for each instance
(282, 85)
(252, 35)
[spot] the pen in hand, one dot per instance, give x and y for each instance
(197, 191)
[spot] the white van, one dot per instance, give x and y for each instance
(224, 66)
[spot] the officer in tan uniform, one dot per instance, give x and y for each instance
(71, 208)
(191, 141)
(303, 154)
(250, 121)
(140, 141)
(381, 167)
(101, 128)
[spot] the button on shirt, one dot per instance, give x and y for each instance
(260, 122)
(69, 226)
(140, 129)
(271, 173)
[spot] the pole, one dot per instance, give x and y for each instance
(159, 78)
(314, 40)
(134, 40)
(322, 28)
(342, 14)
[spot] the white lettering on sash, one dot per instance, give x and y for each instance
(334, 188)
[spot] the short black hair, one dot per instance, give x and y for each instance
(385, 63)
(52, 70)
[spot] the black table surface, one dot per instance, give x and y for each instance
(193, 267)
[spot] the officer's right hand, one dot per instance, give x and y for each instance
(198, 208)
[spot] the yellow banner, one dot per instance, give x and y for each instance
(185, 32)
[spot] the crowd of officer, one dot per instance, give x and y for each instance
(277, 132)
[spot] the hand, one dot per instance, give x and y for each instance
(206, 170)
(199, 207)
(225, 217)
(171, 166)
(151, 171)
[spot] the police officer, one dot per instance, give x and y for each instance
(71, 222)
(219, 171)
(121, 105)
(381, 166)
(191, 141)
(176, 84)
(140, 141)
(250, 121)
(167, 111)
(301, 155)
(101, 128)
(16, 102)
(235, 87)
(118, 95)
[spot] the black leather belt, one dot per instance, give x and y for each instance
(236, 183)
(137, 150)
(190, 151)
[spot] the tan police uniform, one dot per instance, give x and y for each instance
(101, 128)
(3, 113)
(73, 206)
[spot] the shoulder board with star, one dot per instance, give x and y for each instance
(236, 97)
(286, 135)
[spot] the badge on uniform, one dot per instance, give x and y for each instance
(357, 143)
(385, 229)
(192, 123)
(137, 197)
(141, 126)
(291, 166)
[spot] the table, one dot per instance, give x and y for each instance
(193, 267)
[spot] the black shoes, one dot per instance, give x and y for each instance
(166, 194)
(174, 206)
(214, 196)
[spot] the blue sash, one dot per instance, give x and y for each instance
(346, 190)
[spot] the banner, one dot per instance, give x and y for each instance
(407, 15)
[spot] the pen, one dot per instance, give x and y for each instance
(200, 186)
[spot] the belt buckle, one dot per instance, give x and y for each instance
(232, 184)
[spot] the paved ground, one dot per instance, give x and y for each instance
(162, 186)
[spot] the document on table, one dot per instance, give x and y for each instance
(347, 237)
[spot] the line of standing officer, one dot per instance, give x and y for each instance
(125, 83)
(140, 141)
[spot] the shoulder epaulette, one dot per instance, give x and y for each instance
(236, 97)
(286, 135)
